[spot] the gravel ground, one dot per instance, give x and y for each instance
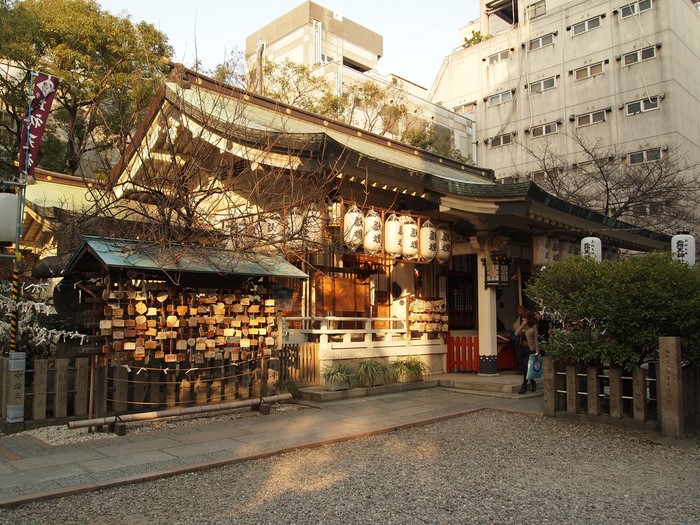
(487, 467)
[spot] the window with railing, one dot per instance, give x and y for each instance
(639, 55)
(500, 98)
(537, 43)
(588, 71)
(642, 106)
(647, 155)
(499, 57)
(501, 140)
(587, 119)
(545, 129)
(542, 85)
(635, 8)
(587, 25)
(537, 9)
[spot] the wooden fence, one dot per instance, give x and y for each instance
(660, 395)
(62, 389)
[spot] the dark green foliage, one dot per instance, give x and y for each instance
(615, 311)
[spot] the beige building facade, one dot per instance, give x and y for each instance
(621, 73)
(344, 52)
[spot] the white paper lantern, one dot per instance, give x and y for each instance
(683, 248)
(409, 241)
(353, 227)
(373, 232)
(313, 226)
(8, 217)
(393, 238)
(294, 228)
(273, 229)
(428, 241)
(592, 247)
(444, 245)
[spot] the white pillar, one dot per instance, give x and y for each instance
(486, 300)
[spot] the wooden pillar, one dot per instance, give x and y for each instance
(171, 390)
(100, 401)
(140, 385)
(60, 398)
(120, 390)
(549, 385)
(639, 398)
(593, 389)
(487, 312)
(671, 390)
(615, 375)
(571, 390)
(185, 392)
(82, 385)
(154, 385)
(39, 389)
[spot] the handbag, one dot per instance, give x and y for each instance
(534, 367)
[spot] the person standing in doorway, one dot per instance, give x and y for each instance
(528, 344)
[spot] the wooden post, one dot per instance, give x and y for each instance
(550, 387)
(121, 389)
(671, 390)
(100, 406)
(593, 389)
(82, 379)
(39, 388)
(571, 390)
(60, 399)
(639, 398)
(154, 385)
(170, 390)
(615, 375)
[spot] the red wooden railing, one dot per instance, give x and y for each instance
(463, 354)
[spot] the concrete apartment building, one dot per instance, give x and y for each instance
(345, 52)
(625, 72)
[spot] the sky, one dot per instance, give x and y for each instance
(416, 37)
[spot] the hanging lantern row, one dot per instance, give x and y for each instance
(401, 236)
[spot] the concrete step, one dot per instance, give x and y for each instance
(506, 383)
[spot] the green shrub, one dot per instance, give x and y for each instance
(615, 311)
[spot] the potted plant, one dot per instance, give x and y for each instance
(371, 373)
(409, 369)
(338, 376)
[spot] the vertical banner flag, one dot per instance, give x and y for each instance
(34, 125)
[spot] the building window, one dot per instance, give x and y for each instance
(544, 129)
(542, 41)
(590, 118)
(635, 8)
(542, 85)
(588, 71)
(465, 108)
(501, 140)
(499, 57)
(500, 98)
(641, 106)
(586, 25)
(647, 155)
(537, 9)
(640, 55)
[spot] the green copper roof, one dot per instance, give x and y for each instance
(152, 257)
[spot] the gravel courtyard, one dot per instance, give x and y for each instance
(486, 467)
